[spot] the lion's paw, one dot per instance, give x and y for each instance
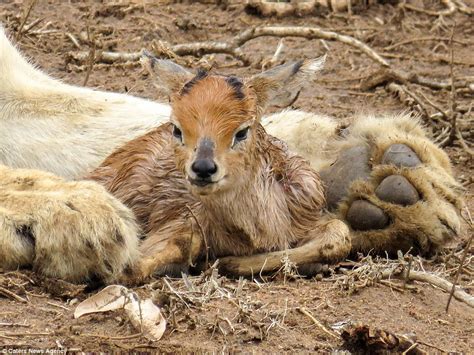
(394, 188)
(75, 231)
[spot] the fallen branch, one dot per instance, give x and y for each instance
(90, 61)
(463, 143)
(28, 334)
(443, 113)
(308, 33)
(299, 8)
(108, 337)
(106, 57)
(101, 66)
(452, 97)
(423, 39)
(8, 324)
(73, 39)
(33, 24)
(271, 62)
(434, 59)
(282, 9)
(408, 97)
(234, 47)
(463, 7)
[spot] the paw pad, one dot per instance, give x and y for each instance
(363, 215)
(351, 165)
(401, 155)
(397, 189)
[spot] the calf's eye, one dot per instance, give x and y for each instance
(177, 133)
(241, 135)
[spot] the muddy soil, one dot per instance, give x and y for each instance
(218, 314)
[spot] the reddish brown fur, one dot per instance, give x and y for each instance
(211, 108)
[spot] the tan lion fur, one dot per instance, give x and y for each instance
(72, 230)
(64, 129)
(306, 133)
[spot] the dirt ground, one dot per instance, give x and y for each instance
(214, 314)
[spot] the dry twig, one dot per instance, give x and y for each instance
(21, 29)
(12, 295)
(463, 258)
(408, 97)
(318, 323)
(422, 39)
(385, 76)
(463, 7)
(73, 39)
(90, 64)
(204, 238)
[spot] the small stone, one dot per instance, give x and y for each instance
(74, 329)
(73, 302)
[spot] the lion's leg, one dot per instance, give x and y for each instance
(17, 243)
(328, 243)
(71, 230)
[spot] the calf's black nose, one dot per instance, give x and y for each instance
(204, 168)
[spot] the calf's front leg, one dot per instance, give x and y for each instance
(329, 242)
(170, 250)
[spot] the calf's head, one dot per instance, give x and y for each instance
(215, 117)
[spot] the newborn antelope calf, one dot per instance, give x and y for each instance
(212, 181)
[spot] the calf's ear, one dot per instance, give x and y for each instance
(170, 76)
(280, 85)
